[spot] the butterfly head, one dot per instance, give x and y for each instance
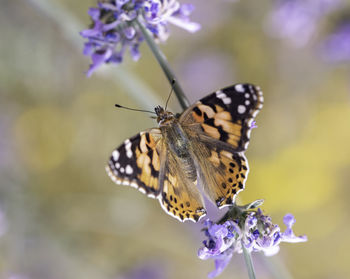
(164, 117)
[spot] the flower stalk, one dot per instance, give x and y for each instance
(249, 262)
(164, 65)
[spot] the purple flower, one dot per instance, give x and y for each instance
(253, 230)
(113, 32)
(219, 245)
(336, 47)
(297, 20)
(288, 235)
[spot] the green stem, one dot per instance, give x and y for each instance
(248, 262)
(164, 65)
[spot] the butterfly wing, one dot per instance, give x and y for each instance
(219, 126)
(222, 173)
(137, 162)
(180, 197)
(227, 114)
(144, 162)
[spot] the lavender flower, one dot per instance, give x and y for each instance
(255, 231)
(336, 47)
(297, 20)
(113, 31)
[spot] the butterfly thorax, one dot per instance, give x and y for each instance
(177, 140)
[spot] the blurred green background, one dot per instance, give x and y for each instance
(62, 217)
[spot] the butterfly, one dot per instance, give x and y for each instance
(199, 151)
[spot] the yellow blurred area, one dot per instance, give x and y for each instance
(44, 135)
(307, 171)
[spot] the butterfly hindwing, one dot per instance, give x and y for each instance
(180, 196)
(223, 175)
(137, 163)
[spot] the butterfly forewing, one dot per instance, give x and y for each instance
(137, 162)
(227, 114)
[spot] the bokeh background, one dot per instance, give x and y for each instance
(62, 217)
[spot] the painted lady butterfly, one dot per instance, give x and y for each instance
(206, 143)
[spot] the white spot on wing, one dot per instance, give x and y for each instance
(226, 101)
(128, 150)
(221, 95)
(143, 191)
(115, 155)
(239, 88)
(128, 169)
(247, 102)
(241, 109)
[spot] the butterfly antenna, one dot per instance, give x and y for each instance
(141, 110)
(171, 91)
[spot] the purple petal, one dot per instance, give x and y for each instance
(288, 235)
(187, 25)
(205, 253)
(98, 58)
(220, 265)
(89, 48)
(110, 26)
(249, 242)
(129, 32)
(208, 223)
(218, 231)
(96, 31)
(113, 37)
(289, 220)
(135, 53)
(120, 3)
(186, 10)
(250, 222)
(94, 13)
